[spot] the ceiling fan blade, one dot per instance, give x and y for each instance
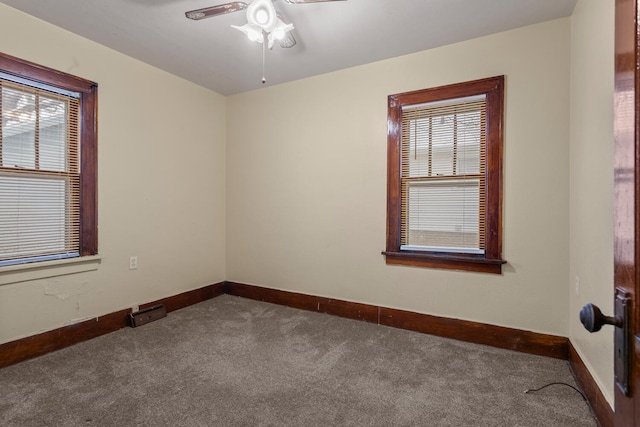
(220, 9)
(308, 1)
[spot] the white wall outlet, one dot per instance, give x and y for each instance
(577, 285)
(133, 263)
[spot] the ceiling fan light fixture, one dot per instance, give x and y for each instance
(281, 30)
(264, 20)
(262, 17)
(253, 32)
(264, 25)
(255, 36)
(263, 14)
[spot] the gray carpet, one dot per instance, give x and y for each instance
(237, 362)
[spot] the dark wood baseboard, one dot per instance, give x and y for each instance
(599, 405)
(351, 310)
(40, 344)
(478, 333)
(463, 330)
(188, 298)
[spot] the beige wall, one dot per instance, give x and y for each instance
(306, 184)
(591, 266)
(161, 185)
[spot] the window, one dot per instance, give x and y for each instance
(444, 177)
(48, 164)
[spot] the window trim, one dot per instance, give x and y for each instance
(88, 229)
(491, 261)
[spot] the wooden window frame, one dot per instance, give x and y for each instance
(491, 261)
(88, 228)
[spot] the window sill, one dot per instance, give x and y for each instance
(452, 262)
(42, 270)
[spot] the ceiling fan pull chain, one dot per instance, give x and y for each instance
(264, 55)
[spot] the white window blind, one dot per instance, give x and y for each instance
(39, 173)
(443, 166)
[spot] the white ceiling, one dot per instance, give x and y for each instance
(330, 36)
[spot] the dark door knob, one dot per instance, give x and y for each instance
(592, 318)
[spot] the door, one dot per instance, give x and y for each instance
(627, 202)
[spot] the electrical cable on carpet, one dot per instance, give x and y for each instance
(533, 390)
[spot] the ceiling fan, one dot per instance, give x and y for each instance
(263, 21)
